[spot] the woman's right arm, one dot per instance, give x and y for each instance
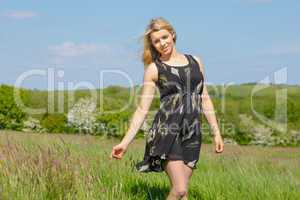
(148, 91)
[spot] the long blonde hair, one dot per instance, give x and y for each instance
(156, 24)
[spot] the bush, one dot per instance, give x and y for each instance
(54, 123)
(241, 136)
(81, 118)
(33, 125)
(113, 124)
(11, 116)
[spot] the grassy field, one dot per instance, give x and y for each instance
(56, 166)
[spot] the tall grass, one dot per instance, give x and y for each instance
(55, 166)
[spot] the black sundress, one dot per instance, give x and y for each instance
(175, 133)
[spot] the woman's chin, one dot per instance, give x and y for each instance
(165, 53)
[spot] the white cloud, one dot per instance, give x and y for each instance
(70, 49)
(20, 14)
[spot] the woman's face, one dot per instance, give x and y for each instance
(162, 41)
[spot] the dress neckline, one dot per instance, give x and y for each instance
(179, 66)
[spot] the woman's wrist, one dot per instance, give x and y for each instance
(217, 135)
(216, 131)
(125, 142)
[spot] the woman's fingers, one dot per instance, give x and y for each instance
(219, 147)
(117, 153)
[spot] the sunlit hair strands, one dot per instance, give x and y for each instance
(156, 24)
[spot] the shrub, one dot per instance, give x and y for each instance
(114, 124)
(11, 116)
(82, 116)
(54, 123)
(258, 133)
(33, 125)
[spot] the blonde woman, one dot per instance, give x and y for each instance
(173, 141)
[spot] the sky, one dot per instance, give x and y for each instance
(93, 44)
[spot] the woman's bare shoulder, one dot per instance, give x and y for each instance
(151, 72)
(200, 62)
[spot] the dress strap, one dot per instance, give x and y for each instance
(159, 64)
(192, 59)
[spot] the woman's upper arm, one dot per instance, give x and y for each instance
(205, 94)
(148, 87)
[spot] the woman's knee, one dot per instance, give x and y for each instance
(179, 192)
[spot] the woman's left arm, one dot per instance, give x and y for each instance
(209, 112)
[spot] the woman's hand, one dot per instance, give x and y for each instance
(118, 151)
(219, 145)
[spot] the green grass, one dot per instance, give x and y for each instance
(57, 166)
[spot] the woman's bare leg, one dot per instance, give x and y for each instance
(188, 172)
(179, 175)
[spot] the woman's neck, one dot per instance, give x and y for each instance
(167, 57)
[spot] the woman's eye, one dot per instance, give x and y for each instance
(165, 37)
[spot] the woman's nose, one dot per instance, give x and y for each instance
(162, 43)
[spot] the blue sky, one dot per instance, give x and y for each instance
(239, 40)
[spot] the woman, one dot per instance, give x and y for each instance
(173, 142)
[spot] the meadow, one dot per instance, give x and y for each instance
(77, 166)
